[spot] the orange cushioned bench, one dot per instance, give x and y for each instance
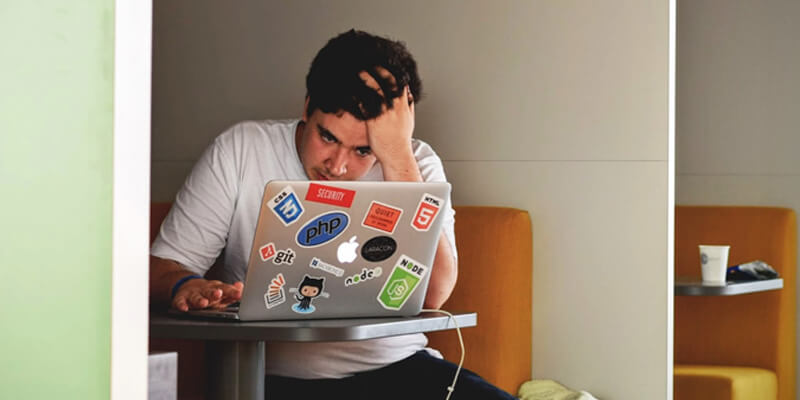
(736, 347)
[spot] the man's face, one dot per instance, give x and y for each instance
(334, 147)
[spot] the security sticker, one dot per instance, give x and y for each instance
(382, 217)
(427, 210)
(267, 251)
(316, 263)
(284, 257)
(322, 229)
(378, 248)
(275, 294)
(310, 288)
(365, 275)
(286, 206)
(402, 282)
(330, 195)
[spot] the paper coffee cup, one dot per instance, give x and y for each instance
(714, 262)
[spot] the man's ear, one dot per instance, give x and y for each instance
(305, 111)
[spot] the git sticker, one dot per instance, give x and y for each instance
(278, 257)
(402, 282)
(330, 195)
(267, 251)
(382, 217)
(275, 294)
(427, 211)
(286, 206)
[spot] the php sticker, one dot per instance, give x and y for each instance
(275, 294)
(316, 263)
(402, 282)
(267, 251)
(309, 289)
(382, 217)
(427, 210)
(286, 206)
(378, 248)
(365, 275)
(330, 195)
(322, 229)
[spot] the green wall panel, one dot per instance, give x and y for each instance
(56, 137)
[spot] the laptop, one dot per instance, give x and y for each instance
(349, 249)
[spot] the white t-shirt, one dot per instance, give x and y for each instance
(216, 212)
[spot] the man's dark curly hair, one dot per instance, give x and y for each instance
(333, 84)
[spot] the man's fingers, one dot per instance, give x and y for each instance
(196, 300)
(179, 303)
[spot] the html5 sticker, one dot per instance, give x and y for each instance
(267, 251)
(427, 211)
(286, 206)
(330, 195)
(382, 217)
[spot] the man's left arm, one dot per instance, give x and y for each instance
(390, 140)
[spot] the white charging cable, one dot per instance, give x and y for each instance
(452, 387)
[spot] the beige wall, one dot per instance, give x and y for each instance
(560, 108)
(738, 103)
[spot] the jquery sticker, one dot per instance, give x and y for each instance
(316, 263)
(427, 210)
(286, 206)
(365, 275)
(402, 282)
(330, 195)
(275, 294)
(267, 251)
(378, 248)
(382, 217)
(322, 229)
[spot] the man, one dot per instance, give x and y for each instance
(357, 124)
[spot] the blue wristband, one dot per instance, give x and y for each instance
(181, 281)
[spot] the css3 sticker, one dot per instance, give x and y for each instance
(427, 210)
(402, 282)
(322, 229)
(286, 206)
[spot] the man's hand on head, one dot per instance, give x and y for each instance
(390, 133)
(198, 294)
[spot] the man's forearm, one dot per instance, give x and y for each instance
(443, 276)
(163, 276)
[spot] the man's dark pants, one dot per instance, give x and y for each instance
(419, 377)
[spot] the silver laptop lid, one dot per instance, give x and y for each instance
(343, 249)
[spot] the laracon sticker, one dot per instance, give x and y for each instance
(286, 206)
(378, 248)
(382, 217)
(402, 282)
(316, 263)
(322, 229)
(330, 195)
(284, 257)
(365, 275)
(427, 211)
(309, 289)
(275, 294)
(267, 251)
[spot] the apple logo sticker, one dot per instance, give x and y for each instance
(347, 251)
